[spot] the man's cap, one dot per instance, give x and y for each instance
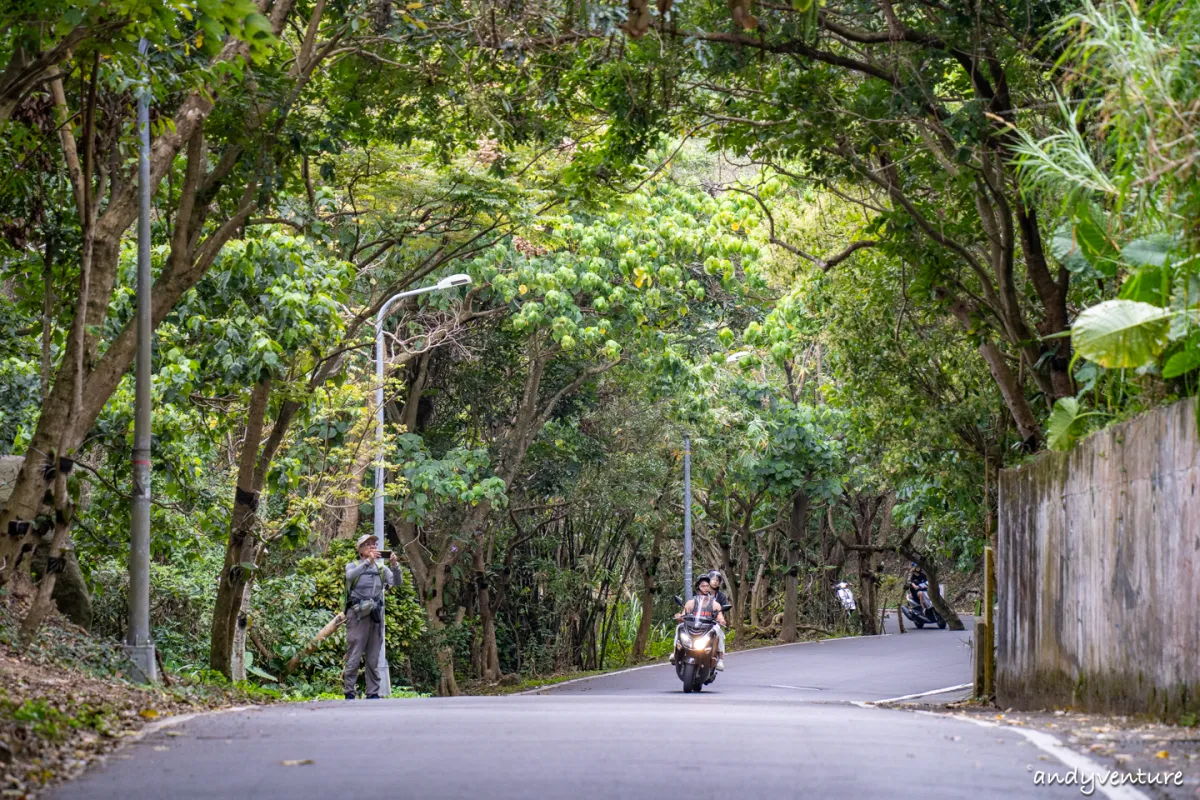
(366, 537)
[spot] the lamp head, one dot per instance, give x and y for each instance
(453, 281)
(738, 356)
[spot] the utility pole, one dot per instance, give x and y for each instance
(138, 644)
(687, 517)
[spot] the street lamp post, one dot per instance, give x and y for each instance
(451, 282)
(687, 517)
(138, 644)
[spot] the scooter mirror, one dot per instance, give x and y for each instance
(678, 600)
(727, 607)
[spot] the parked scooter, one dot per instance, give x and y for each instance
(922, 613)
(696, 650)
(845, 596)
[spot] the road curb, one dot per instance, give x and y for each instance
(179, 719)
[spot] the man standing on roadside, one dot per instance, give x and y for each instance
(366, 581)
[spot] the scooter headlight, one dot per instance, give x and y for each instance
(685, 639)
(702, 641)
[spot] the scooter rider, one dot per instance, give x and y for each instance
(714, 581)
(916, 583)
(705, 606)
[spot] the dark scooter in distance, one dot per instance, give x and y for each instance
(696, 650)
(923, 613)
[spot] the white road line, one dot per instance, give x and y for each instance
(550, 686)
(923, 694)
(1076, 761)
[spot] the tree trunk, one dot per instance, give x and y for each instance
(1010, 388)
(489, 655)
(237, 669)
(797, 524)
(71, 595)
(322, 635)
(758, 596)
(241, 551)
(649, 590)
(54, 564)
(447, 684)
(434, 603)
(791, 600)
(867, 592)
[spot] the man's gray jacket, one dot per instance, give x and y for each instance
(371, 580)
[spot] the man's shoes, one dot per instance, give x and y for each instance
(349, 695)
(671, 660)
(372, 697)
(720, 665)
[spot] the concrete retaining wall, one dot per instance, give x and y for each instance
(1098, 571)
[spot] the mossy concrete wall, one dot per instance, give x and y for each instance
(1098, 572)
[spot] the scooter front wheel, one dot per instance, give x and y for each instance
(920, 623)
(689, 678)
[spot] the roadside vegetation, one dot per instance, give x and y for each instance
(864, 255)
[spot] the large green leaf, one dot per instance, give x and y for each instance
(1064, 248)
(1148, 285)
(1063, 425)
(1121, 333)
(1093, 240)
(1148, 251)
(1185, 360)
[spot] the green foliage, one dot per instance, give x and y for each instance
(1121, 333)
(1131, 192)
(1064, 424)
(315, 591)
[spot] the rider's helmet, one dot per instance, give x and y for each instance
(715, 575)
(700, 580)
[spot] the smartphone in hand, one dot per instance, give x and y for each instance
(386, 555)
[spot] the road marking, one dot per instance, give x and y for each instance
(801, 688)
(1074, 760)
(552, 686)
(922, 694)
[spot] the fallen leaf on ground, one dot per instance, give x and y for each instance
(297, 762)
(148, 713)
(1162, 754)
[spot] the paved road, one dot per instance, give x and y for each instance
(779, 723)
(863, 669)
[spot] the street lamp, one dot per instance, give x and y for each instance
(687, 517)
(449, 282)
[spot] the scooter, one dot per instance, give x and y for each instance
(696, 650)
(923, 613)
(845, 596)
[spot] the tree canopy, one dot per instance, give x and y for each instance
(861, 255)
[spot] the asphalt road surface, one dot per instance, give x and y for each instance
(781, 722)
